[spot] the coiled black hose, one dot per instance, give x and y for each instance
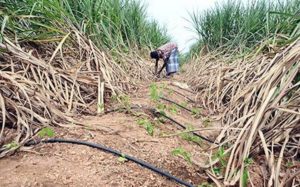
(115, 152)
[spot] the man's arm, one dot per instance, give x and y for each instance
(156, 66)
(165, 64)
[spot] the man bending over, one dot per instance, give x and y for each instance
(169, 54)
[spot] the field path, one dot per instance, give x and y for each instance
(74, 165)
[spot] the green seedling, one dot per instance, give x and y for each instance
(147, 125)
(162, 112)
(163, 86)
(190, 137)
(11, 146)
(217, 170)
(170, 92)
(150, 129)
(161, 118)
(289, 164)
(122, 159)
(205, 184)
(173, 109)
(245, 177)
(154, 93)
(161, 106)
(222, 156)
(142, 121)
(183, 153)
(114, 98)
(125, 101)
(184, 104)
(206, 122)
(248, 162)
(196, 112)
(46, 132)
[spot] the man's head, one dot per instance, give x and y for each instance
(154, 54)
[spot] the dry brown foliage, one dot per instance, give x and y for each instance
(258, 98)
(51, 83)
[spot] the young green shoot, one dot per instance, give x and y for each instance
(147, 125)
(173, 109)
(182, 153)
(11, 146)
(188, 136)
(46, 132)
(245, 176)
(125, 102)
(154, 92)
(221, 156)
(205, 184)
(122, 159)
(206, 122)
(196, 112)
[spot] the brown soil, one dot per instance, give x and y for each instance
(74, 165)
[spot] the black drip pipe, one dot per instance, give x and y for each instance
(173, 102)
(182, 126)
(115, 152)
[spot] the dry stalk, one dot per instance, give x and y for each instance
(56, 82)
(259, 94)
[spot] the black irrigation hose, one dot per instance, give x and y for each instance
(112, 151)
(182, 126)
(173, 102)
(123, 109)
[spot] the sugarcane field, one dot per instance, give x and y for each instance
(150, 93)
